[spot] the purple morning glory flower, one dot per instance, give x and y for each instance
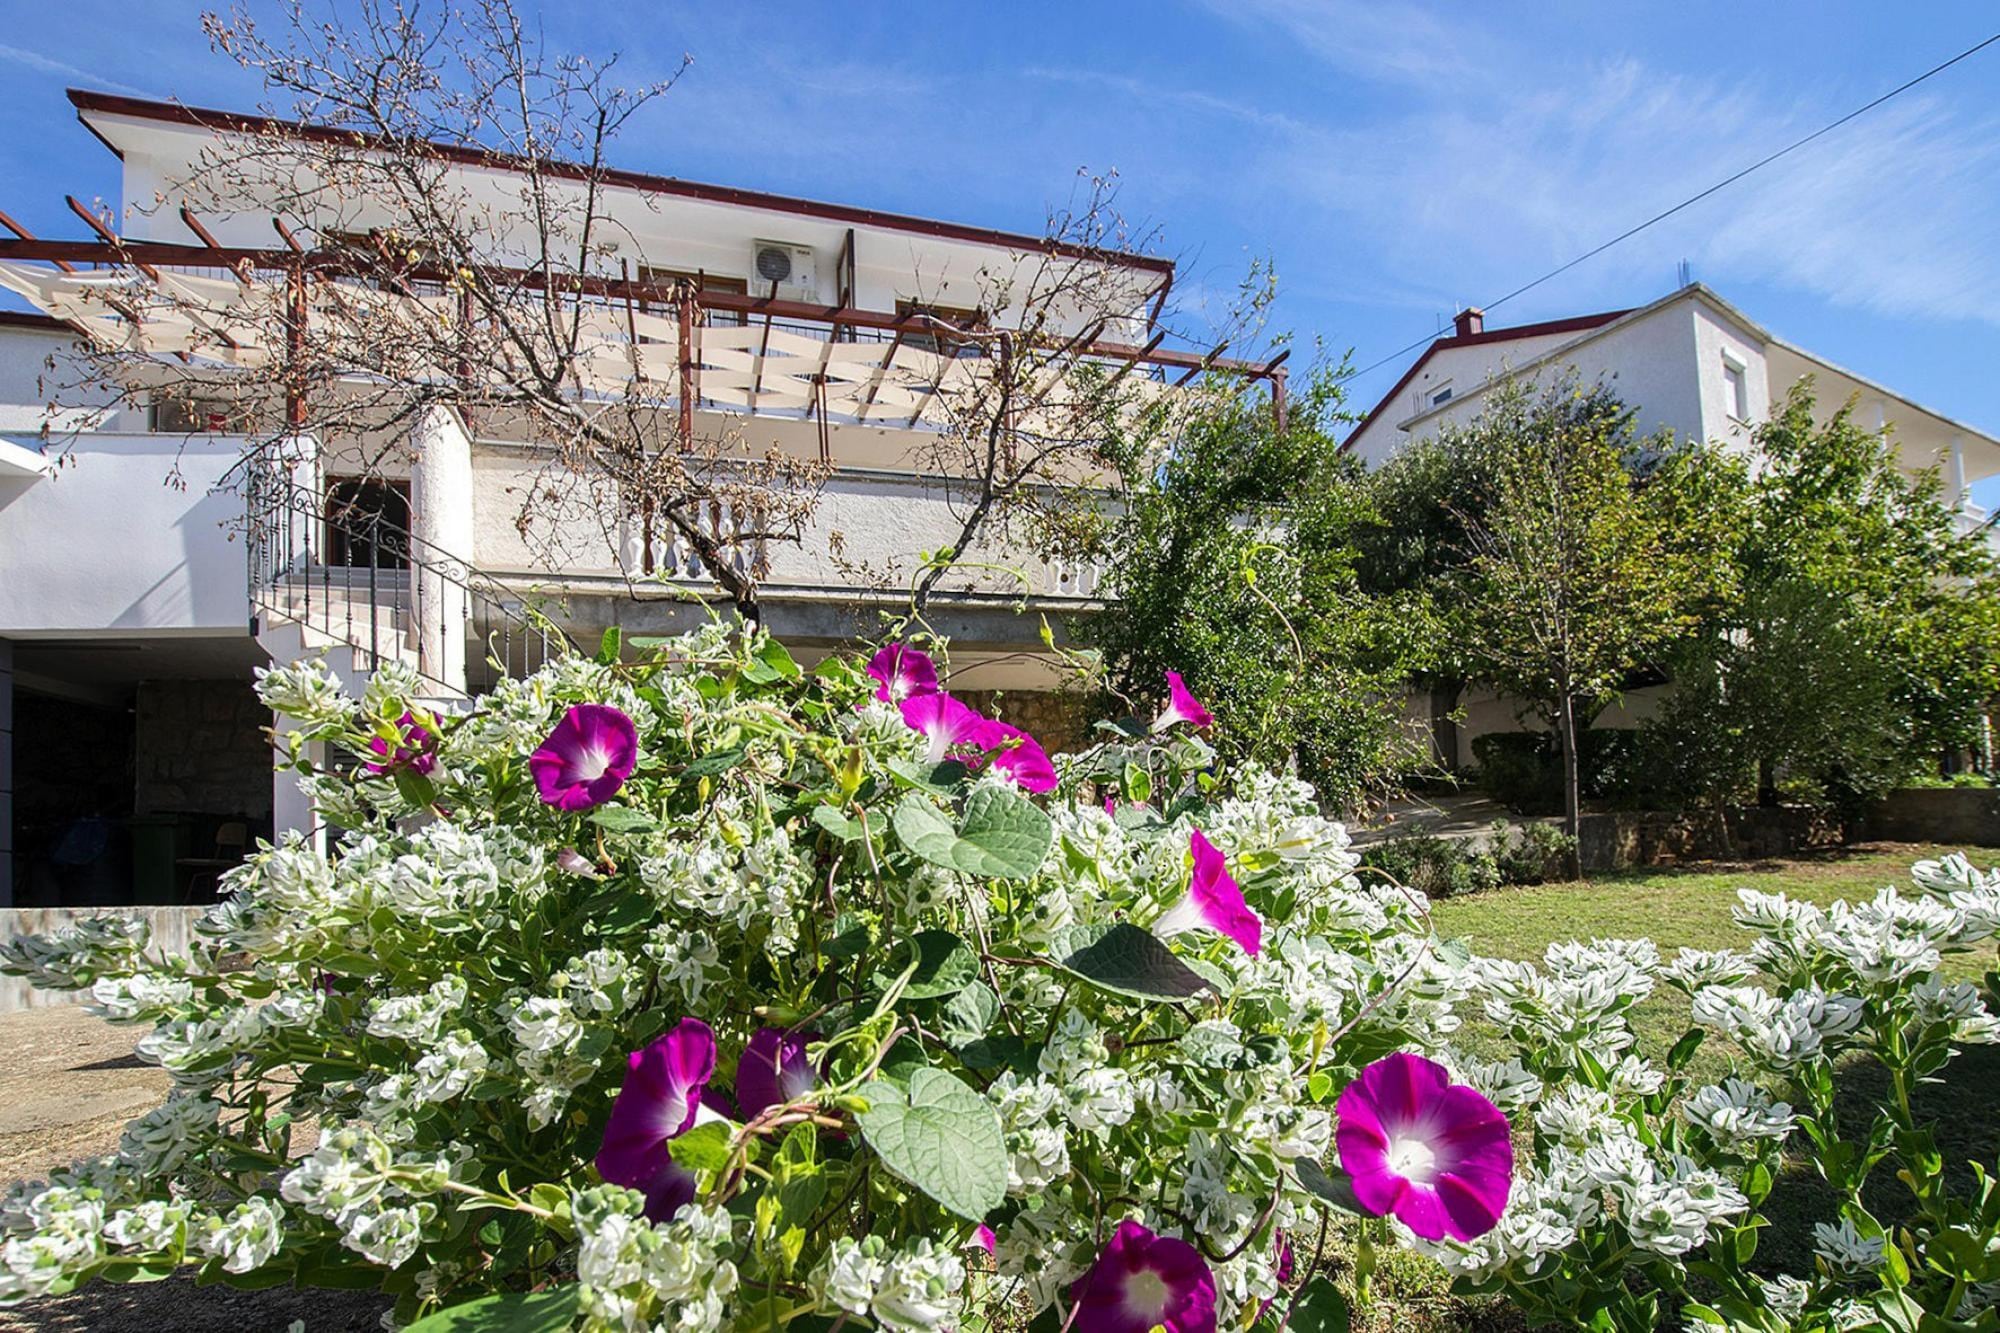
(984, 1238)
(587, 758)
(1213, 901)
(1181, 706)
(572, 862)
(1142, 1282)
(1022, 760)
(416, 749)
(658, 1103)
(946, 722)
(773, 1071)
(901, 672)
(1435, 1153)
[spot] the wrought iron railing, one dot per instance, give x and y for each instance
(355, 577)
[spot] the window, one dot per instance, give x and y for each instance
(178, 415)
(367, 522)
(930, 338)
(703, 282)
(1440, 397)
(1735, 385)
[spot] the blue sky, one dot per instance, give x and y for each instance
(1393, 160)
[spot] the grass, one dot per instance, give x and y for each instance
(1689, 907)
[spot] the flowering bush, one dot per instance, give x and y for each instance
(705, 992)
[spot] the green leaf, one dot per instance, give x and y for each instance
(1002, 834)
(610, 645)
(1337, 1192)
(1321, 1309)
(942, 1137)
(939, 779)
(836, 823)
(414, 788)
(1126, 960)
(622, 819)
(1684, 1049)
(946, 965)
(551, 1311)
(968, 1015)
(703, 1148)
(714, 762)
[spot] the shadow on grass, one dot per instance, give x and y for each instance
(1958, 1111)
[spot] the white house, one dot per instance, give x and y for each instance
(1689, 362)
(143, 578)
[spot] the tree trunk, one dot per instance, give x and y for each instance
(1572, 783)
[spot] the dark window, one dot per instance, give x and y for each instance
(367, 523)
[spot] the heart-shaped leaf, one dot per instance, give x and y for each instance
(1126, 960)
(1001, 835)
(941, 1137)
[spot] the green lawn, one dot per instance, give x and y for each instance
(1690, 907)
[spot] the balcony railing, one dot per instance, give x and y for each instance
(353, 577)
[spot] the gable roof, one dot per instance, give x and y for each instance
(87, 103)
(1572, 324)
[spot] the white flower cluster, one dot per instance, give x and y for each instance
(1736, 1113)
(638, 1276)
(356, 1180)
(1581, 1002)
(76, 955)
(1780, 1032)
(911, 1289)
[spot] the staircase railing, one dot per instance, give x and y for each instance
(359, 578)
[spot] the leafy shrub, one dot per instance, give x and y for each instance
(702, 992)
(1446, 867)
(1523, 769)
(1435, 867)
(1529, 853)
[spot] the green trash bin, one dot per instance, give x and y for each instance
(158, 841)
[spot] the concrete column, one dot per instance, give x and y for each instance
(441, 521)
(301, 458)
(291, 809)
(6, 774)
(1954, 471)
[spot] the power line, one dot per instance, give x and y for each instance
(1693, 199)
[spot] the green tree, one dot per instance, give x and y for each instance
(1234, 563)
(1866, 640)
(1592, 553)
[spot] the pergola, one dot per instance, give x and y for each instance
(255, 309)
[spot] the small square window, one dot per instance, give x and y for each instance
(1441, 396)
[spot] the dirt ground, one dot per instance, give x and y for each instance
(68, 1084)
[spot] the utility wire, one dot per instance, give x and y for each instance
(1694, 199)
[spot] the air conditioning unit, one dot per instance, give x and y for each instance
(792, 267)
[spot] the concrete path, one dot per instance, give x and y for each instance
(1455, 817)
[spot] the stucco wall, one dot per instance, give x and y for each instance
(107, 544)
(172, 932)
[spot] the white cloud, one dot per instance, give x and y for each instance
(41, 64)
(1383, 39)
(1473, 193)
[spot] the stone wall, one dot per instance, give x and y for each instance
(1616, 839)
(1969, 816)
(1056, 719)
(200, 749)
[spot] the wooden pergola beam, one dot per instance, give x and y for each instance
(150, 253)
